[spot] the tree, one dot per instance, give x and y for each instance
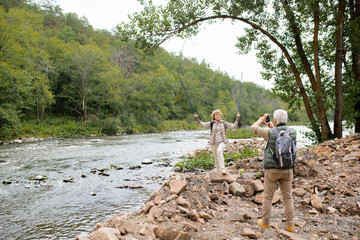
(301, 66)
(87, 64)
(23, 83)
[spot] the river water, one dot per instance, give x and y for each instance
(56, 209)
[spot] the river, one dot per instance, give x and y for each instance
(56, 209)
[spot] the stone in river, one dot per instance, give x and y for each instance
(68, 180)
(146, 161)
(135, 167)
(38, 177)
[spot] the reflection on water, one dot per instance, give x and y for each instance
(57, 210)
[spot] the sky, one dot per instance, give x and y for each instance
(215, 43)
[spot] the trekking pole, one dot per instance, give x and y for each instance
(240, 93)
(185, 92)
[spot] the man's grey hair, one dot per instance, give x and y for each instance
(280, 116)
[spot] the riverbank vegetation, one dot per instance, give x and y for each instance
(62, 78)
(205, 160)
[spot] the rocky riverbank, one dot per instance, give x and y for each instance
(208, 205)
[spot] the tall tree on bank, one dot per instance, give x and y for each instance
(295, 43)
(354, 38)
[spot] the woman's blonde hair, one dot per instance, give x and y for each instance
(217, 111)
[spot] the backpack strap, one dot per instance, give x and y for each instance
(287, 130)
(275, 131)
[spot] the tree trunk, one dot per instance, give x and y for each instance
(316, 85)
(355, 48)
(338, 70)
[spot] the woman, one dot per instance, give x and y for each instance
(218, 138)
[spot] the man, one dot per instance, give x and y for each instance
(274, 174)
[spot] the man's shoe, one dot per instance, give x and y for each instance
(261, 224)
(290, 228)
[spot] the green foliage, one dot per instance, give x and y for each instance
(54, 65)
(239, 133)
(60, 127)
(243, 154)
(111, 126)
(203, 160)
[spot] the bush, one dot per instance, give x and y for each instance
(240, 133)
(245, 153)
(203, 160)
(111, 126)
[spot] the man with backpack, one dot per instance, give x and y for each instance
(279, 162)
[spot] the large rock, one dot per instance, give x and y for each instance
(250, 233)
(236, 189)
(105, 233)
(299, 191)
(158, 199)
(288, 235)
(218, 177)
(323, 151)
(259, 197)
(170, 234)
(257, 185)
(353, 156)
(153, 214)
(316, 202)
(183, 202)
(177, 186)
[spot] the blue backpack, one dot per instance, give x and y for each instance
(285, 150)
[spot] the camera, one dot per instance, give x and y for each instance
(267, 119)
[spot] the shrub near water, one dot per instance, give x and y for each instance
(205, 160)
(239, 133)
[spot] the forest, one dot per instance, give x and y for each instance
(60, 77)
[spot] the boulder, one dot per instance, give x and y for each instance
(205, 215)
(158, 199)
(38, 177)
(250, 233)
(316, 202)
(218, 177)
(177, 186)
(259, 197)
(353, 156)
(257, 185)
(170, 234)
(194, 215)
(236, 189)
(322, 151)
(105, 233)
(299, 191)
(213, 196)
(183, 202)
(146, 161)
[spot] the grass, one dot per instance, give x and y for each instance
(67, 127)
(239, 133)
(205, 160)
